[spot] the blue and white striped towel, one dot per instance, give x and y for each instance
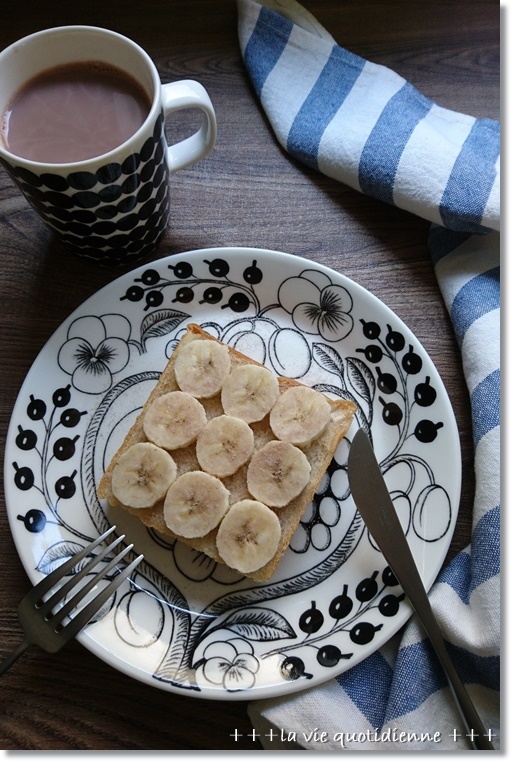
(365, 126)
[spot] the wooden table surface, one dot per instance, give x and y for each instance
(246, 193)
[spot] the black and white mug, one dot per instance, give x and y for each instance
(113, 208)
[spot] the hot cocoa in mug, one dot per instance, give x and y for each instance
(73, 113)
(83, 136)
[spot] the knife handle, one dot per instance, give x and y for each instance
(375, 505)
(479, 737)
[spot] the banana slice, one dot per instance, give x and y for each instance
(248, 536)
(249, 392)
(277, 473)
(174, 420)
(195, 503)
(225, 444)
(300, 415)
(201, 367)
(142, 475)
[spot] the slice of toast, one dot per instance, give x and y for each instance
(319, 454)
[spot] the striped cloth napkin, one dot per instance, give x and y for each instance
(364, 125)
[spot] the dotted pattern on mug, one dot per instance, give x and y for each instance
(116, 215)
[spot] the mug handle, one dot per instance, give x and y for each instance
(189, 94)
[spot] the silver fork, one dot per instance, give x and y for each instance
(42, 625)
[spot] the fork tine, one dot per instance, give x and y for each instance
(47, 631)
(48, 582)
(81, 619)
(62, 591)
(80, 594)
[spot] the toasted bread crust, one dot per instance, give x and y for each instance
(319, 453)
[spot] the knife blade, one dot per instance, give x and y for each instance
(375, 505)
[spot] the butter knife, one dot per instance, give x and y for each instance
(374, 503)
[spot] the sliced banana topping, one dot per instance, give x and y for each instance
(174, 420)
(195, 503)
(142, 475)
(249, 392)
(248, 536)
(277, 473)
(300, 415)
(201, 367)
(225, 444)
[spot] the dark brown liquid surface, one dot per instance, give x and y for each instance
(74, 112)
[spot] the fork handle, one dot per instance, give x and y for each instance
(4, 666)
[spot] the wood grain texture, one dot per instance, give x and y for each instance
(248, 192)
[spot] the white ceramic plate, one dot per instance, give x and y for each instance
(184, 623)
